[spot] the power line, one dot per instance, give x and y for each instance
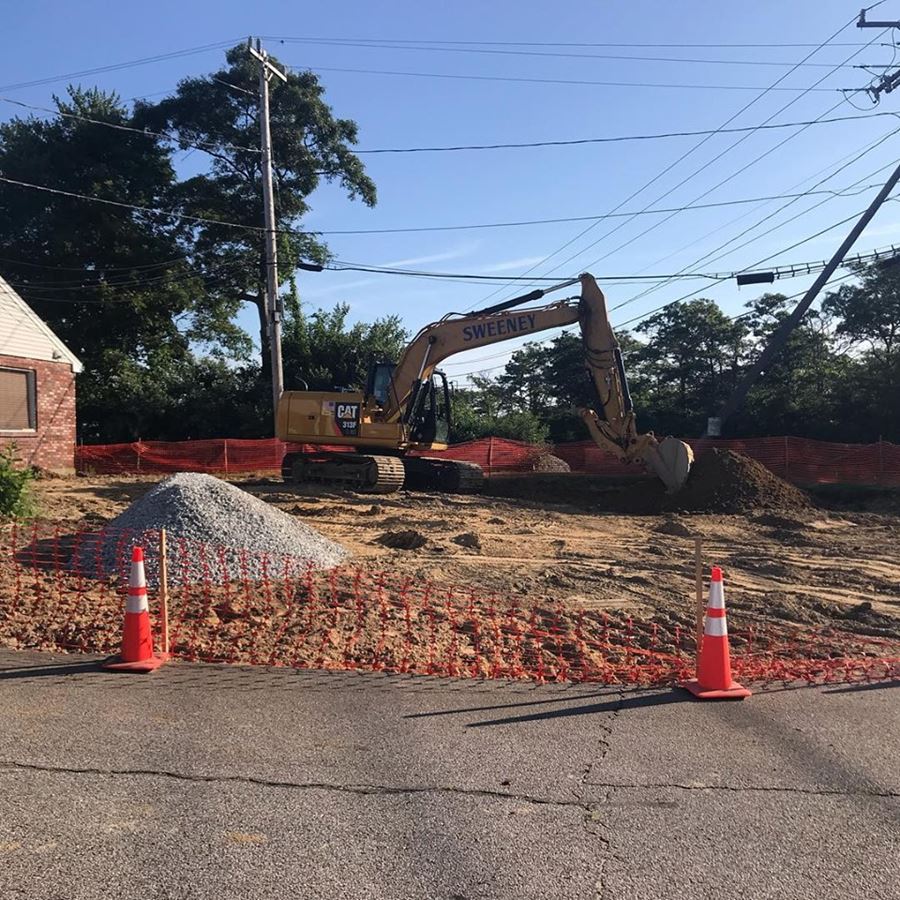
(114, 67)
(338, 265)
(199, 145)
(341, 42)
(619, 138)
(697, 171)
(709, 256)
(688, 153)
(633, 320)
(202, 145)
(569, 81)
(134, 206)
(564, 43)
(617, 215)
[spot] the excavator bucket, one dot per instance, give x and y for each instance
(671, 461)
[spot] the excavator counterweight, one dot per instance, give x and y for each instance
(376, 439)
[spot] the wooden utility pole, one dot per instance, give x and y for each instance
(273, 309)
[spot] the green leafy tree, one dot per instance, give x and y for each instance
(800, 391)
(310, 145)
(868, 319)
(689, 364)
(323, 351)
(477, 413)
(114, 283)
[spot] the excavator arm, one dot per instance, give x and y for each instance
(611, 425)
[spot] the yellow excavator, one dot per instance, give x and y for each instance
(406, 405)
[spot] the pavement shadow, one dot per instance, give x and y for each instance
(868, 686)
(470, 709)
(56, 670)
(618, 704)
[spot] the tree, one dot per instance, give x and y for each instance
(689, 364)
(868, 318)
(113, 282)
(478, 413)
(219, 112)
(322, 351)
(799, 393)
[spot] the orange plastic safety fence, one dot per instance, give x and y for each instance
(800, 460)
(65, 591)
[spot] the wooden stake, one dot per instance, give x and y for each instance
(163, 591)
(700, 609)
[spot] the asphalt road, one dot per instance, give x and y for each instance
(211, 782)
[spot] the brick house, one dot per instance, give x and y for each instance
(37, 387)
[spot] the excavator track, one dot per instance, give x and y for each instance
(429, 473)
(357, 471)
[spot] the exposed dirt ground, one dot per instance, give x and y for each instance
(550, 537)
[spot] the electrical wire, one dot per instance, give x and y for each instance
(688, 153)
(718, 204)
(568, 81)
(635, 319)
(199, 145)
(710, 255)
(119, 289)
(616, 139)
(115, 67)
(147, 209)
(705, 193)
(341, 42)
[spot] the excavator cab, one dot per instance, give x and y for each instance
(432, 422)
(378, 382)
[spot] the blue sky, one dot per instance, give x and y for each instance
(434, 189)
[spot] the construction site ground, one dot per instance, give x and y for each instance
(564, 537)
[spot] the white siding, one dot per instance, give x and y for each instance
(22, 333)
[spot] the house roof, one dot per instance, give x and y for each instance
(23, 333)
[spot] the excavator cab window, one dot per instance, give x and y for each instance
(431, 424)
(442, 408)
(378, 384)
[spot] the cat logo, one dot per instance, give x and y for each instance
(346, 417)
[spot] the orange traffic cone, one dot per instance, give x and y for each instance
(713, 681)
(137, 642)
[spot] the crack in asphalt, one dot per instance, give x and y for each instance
(602, 832)
(362, 789)
(735, 788)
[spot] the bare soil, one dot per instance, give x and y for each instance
(555, 538)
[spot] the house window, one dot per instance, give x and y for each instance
(18, 410)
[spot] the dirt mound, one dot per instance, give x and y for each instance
(468, 539)
(547, 462)
(726, 482)
(408, 539)
(674, 527)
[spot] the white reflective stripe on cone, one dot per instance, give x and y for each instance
(137, 578)
(716, 595)
(136, 603)
(716, 626)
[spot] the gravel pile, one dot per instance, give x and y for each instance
(214, 530)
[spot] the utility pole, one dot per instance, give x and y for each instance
(783, 332)
(889, 81)
(273, 309)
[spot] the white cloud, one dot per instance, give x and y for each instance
(312, 293)
(464, 250)
(512, 264)
(883, 230)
